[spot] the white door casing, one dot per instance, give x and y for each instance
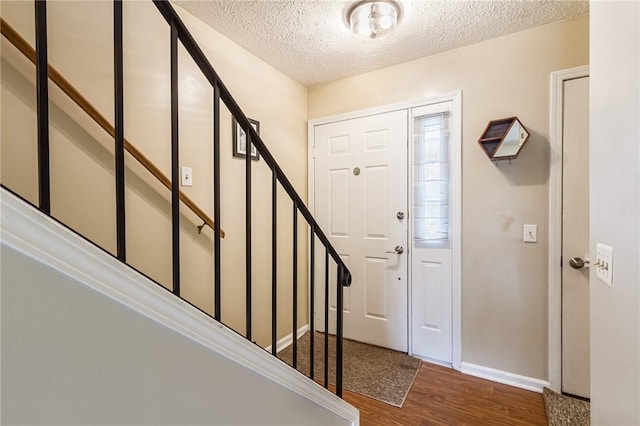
(556, 118)
(360, 186)
(454, 220)
(575, 238)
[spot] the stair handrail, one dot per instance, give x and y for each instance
(29, 52)
(208, 71)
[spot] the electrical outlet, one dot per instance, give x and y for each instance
(530, 234)
(604, 263)
(187, 176)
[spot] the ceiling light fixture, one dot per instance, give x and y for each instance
(374, 18)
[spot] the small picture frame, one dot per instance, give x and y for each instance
(240, 140)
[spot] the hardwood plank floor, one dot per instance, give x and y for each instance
(443, 396)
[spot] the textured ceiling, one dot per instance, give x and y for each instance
(309, 41)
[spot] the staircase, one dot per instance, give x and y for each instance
(129, 163)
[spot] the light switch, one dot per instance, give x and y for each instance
(604, 263)
(530, 234)
(187, 176)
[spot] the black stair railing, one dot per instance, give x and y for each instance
(180, 34)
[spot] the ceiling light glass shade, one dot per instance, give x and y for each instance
(374, 19)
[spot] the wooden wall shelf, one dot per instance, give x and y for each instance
(503, 139)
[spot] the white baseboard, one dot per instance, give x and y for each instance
(287, 340)
(27, 230)
(504, 377)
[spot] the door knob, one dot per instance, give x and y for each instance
(400, 215)
(397, 250)
(578, 263)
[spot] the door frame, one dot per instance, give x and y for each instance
(555, 219)
(456, 201)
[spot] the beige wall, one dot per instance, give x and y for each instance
(615, 211)
(504, 281)
(83, 193)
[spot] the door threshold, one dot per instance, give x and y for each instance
(433, 361)
(581, 398)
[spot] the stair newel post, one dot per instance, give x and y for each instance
(216, 201)
(118, 76)
(339, 332)
(274, 262)
(175, 162)
(248, 230)
(326, 317)
(295, 283)
(42, 106)
(312, 325)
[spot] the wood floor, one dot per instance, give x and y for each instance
(442, 396)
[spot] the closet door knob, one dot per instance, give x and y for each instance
(577, 263)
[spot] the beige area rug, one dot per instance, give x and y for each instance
(566, 411)
(379, 373)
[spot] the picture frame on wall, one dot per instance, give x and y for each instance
(240, 140)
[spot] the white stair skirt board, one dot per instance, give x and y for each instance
(287, 340)
(29, 231)
(511, 379)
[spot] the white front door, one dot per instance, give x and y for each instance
(575, 238)
(360, 194)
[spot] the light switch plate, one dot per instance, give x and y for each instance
(187, 176)
(604, 263)
(530, 234)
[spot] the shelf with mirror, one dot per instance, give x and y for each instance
(503, 139)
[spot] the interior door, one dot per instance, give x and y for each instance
(360, 201)
(575, 238)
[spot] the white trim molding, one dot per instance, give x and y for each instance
(504, 377)
(287, 340)
(555, 219)
(456, 231)
(29, 231)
